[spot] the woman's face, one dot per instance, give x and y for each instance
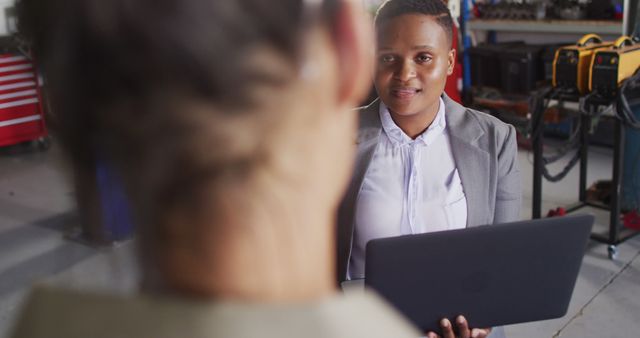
(413, 59)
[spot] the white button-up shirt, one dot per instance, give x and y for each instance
(411, 187)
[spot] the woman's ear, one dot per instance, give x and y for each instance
(353, 39)
(452, 61)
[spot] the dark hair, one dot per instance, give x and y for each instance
(435, 8)
(110, 50)
(158, 88)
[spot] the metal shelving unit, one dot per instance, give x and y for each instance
(615, 234)
(468, 24)
(547, 26)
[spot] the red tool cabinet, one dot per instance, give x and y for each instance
(21, 113)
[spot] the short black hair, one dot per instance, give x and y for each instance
(435, 8)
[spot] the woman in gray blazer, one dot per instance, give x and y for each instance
(424, 162)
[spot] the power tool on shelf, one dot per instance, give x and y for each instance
(611, 67)
(572, 64)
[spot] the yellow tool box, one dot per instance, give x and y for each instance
(572, 64)
(612, 66)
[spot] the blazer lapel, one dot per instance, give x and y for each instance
(473, 163)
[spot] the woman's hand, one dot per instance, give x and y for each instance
(463, 330)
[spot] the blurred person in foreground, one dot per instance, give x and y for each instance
(228, 123)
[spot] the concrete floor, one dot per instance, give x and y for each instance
(36, 210)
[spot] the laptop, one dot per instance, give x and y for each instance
(493, 275)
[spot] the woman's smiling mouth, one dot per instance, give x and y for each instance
(405, 93)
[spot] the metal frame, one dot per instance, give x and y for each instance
(615, 234)
(547, 26)
(631, 17)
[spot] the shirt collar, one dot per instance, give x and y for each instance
(398, 136)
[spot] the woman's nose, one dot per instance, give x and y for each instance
(405, 71)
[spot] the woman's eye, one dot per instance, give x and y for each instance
(387, 58)
(422, 58)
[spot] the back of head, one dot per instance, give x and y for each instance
(178, 97)
(132, 58)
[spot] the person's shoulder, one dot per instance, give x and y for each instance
(494, 130)
(489, 122)
(56, 313)
(367, 315)
(473, 123)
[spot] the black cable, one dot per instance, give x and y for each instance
(624, 113)
(562, 174)
(582, 103)
(538, 106)
(623, 108)
(572, 143)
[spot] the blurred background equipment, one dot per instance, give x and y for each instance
(485, 63)
(610, 67)
(614, 88)
(572, 64)
(104, 215)
(582, 94)
(22, 116)
(521, 68)
(22, 112)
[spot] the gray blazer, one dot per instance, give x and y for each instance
(485, 152)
